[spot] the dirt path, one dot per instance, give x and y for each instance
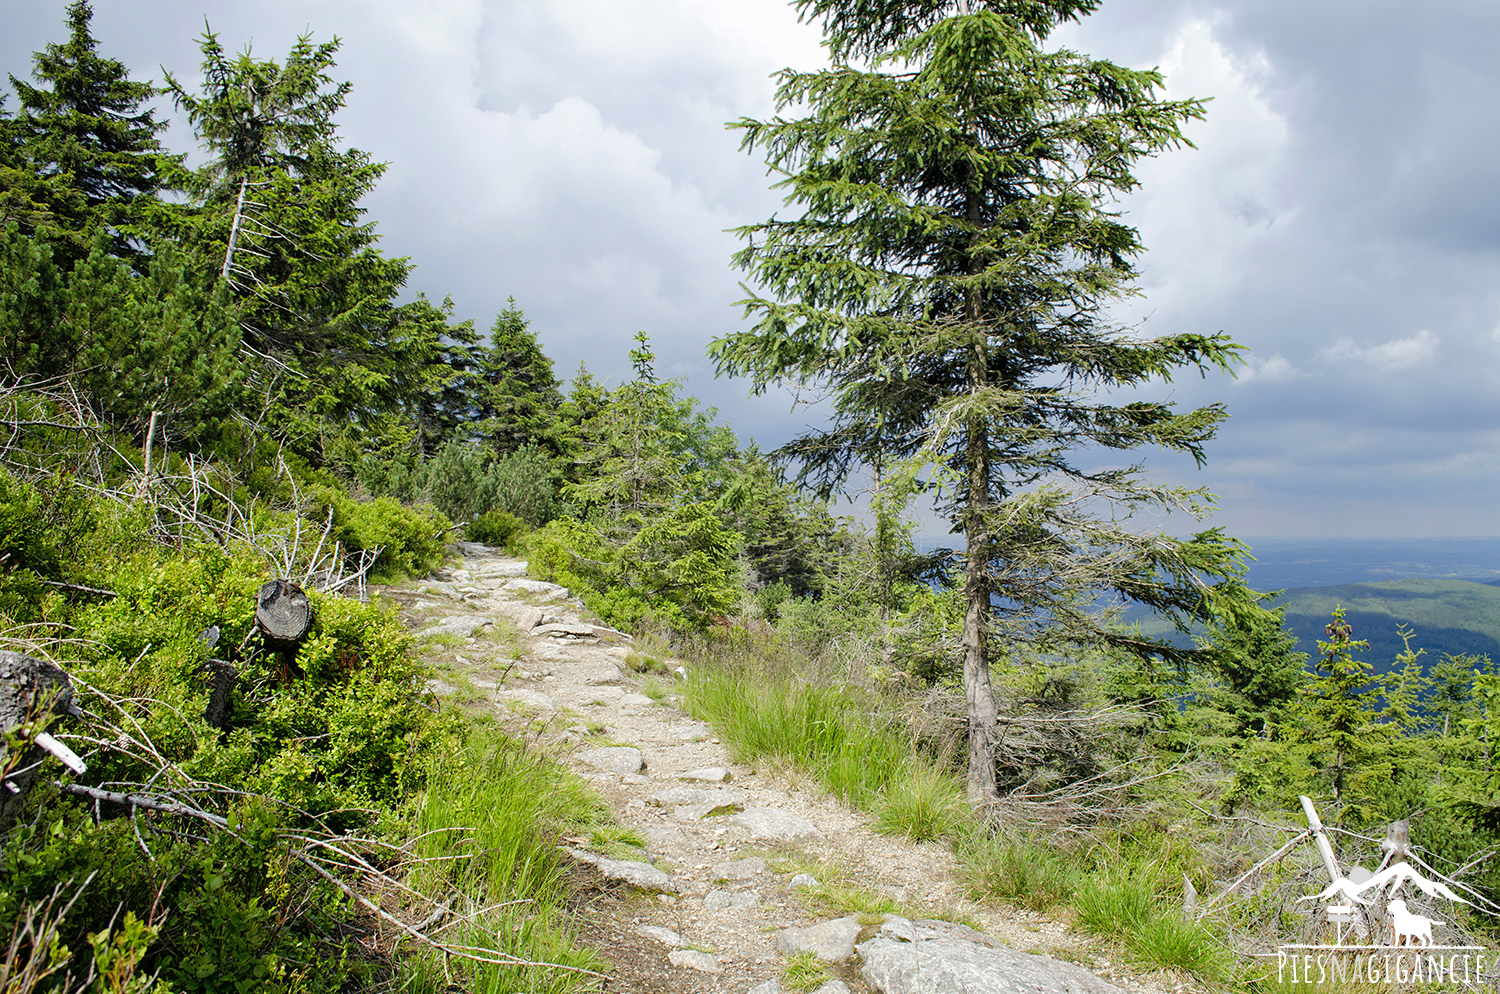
(527, 651)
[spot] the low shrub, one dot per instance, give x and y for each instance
(410, 539)
(497, 528)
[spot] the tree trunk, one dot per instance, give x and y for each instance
(283, 614)
(979, 693)
(32, 693)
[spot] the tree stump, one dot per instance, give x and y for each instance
(32, 692)
(283, 614)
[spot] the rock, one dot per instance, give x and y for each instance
(674, 796)
(953, 966)
(564, 631)
(803, 880)
(739, 869)
(525, 616)
(923, 929)
(695, 733)
(458, 625)
(776, 825)
(833, 987)
(769, 987)
(708, 809)
(514, 567)
(642, 876)
(709, 774)
(537, 588)
(636, 701)
(439, 587)
(606, 695)
(471, 548)
(665, 936)
(718, 900)
(637, 779)
(528, 698)
(613, 759)
(693, 959)
(830, 941)
(604, 676)
(605, 632)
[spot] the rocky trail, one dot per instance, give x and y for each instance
(743, 868)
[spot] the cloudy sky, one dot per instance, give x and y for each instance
(1338, 217)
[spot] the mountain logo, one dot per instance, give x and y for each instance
(1369, 934)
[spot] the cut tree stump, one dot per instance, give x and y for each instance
(33, 692)
(283, 614)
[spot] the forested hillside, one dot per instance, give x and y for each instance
(214, 377)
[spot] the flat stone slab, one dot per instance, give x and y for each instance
(709, 774)
(507, 570)
(642, 876)
(708, 809)
(539, 589)
(830, 941)
(472, 548)
(605, 695)
(776, 825)
(953, 966)
(622, 760)
(674, 796)
(604, 676)
(720, 900)
(924, 929)
(636, 701)
(564, 631)
(739, 870)
(528, 698)
(458, 625)
(665, 936)
(695, 959)
(525, 616)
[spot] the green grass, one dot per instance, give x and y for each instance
(1020, 871)
(828, 731)
(805, 972)
(488, 824)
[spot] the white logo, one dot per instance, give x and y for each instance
(1375, 938)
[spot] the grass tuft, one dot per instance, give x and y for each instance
(805, 972)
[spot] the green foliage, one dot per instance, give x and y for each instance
(1019, 870)
(92, 160)
(1352, 747)
(409, 539)
(497, 528)
(518, 396)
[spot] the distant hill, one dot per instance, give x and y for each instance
(1447, 616)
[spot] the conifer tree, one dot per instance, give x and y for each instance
(90, 150)
(1341, 711)
(946, 282)
(518, 394)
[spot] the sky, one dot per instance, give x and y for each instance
(1337, 218)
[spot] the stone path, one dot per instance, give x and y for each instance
(727, 886)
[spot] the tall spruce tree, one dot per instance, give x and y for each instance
(91, 154)
(946, 283)
(518, 394)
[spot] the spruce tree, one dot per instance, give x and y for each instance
(946, 279)
(518, 396)
(90, 149)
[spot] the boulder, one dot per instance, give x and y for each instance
(613, 759)
(775, 825)
(954, 966)
(830, 941)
